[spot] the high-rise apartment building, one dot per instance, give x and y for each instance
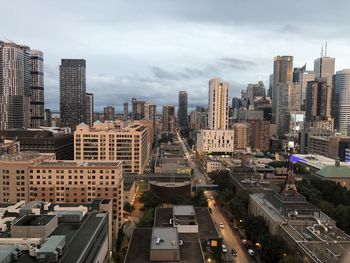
(255, 90)
(47, 118)
(72, 92)
(109, 113)
(282, 73)
(89, 109)
(15, 85)
(260, 135)
(182, 114)
(168, 118)
(342, 101)
(218, 104)
(318, 98)
(125, 111)
(106, 142)
(37, 89)
(241, 136)
(138, 109)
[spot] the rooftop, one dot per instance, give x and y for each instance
(34, 220)
(23, 156)
(183, 210)
(334, 171)
(80, 164)
(164, 238)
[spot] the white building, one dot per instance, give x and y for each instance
(218, 104)
(215, 141)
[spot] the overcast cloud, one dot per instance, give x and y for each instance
(151, 49)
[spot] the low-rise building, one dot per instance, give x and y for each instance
(215, 142)
(9, 147)
(337, 173)
(165, 244)
(14, 175)
(79, 182)
(185, 219)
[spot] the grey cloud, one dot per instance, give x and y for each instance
(236, 63)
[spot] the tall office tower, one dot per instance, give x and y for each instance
(282, 73)
(15, 79)
(168, 118)
(218, 104)
(72, 92)
(109, 113)
(318, 100)
(150, 114)
(342, 101)
(89, 109)
(236, 104)
(138, 109)
(324, 68)
(126, 111)
(47, 118)
(269, 91)
(287, 100)
(37, 89)
(303, 76)
(182, 111)
(255, 90)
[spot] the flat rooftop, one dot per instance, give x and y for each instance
(22, 156)
(183, 210)
(35, 220)
(168, 236)
(78, 164)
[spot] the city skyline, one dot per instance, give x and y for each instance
(134, 53)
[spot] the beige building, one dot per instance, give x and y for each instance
(78, 182)
(218, 104)
(215, 141)
(14, 175)
(241, 138)
(104, 142)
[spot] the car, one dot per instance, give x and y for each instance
(180, 242)
(170, 221)
(244, 241)
(221, 225)
(224, 248)
(234, 252)
(251, 252)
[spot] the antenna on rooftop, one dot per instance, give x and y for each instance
(325, 54)
(321, 55)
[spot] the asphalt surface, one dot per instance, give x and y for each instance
(230, 237)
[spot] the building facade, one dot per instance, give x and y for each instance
(72, 92)
(89, 109)
(105, 142)
(241, 136)
(125, 111)
(215, 141)
(168, 118)
(182, 114)
(341, 102)
(260, 135)
(218, 104)
(138, 109)
(109, 113)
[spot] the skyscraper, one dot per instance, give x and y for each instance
(109, 113)
(324, 68)
(37, 89)
(255, 90)
(72, 92)
(182, 111)
(282, 73)
(15, 79)
(89, 109)
(318, 100)
(138, 109)
(126, 111)
(218, 104)
(168, 118)
(303, 76)
(342, 101)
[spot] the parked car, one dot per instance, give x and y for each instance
(251, 252)
(224, 248)
(221, 225)
(181, 242)
(244, 241)
(170, 221)
(234, 252)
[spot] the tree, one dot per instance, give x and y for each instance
(147, 218)
(150, 200)
(128, 207)
(273, 248)
(256, 228)
(199, 200)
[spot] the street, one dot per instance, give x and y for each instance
(230, 238)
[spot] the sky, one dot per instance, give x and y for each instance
(152, 49)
